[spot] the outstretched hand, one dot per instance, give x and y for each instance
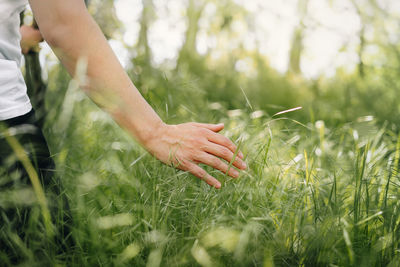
(184, 146)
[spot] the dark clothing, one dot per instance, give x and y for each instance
(30, 136)
(22, 231)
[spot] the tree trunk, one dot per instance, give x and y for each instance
(297, 41)
(361, 65)
(143, 48)
(194, 12)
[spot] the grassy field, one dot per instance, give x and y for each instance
(313, 195)
(322, 185)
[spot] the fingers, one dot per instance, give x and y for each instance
(213, 127)
(226, 154)
(217, 164)
(224, 141)
(201, 143)
(219, 139)
(202, 174)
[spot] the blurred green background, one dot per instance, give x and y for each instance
(338, 59)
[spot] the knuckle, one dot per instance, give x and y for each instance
(203, 147)
(205, 143)
(202, 140)
(225, 168)
(183, 165)
(203, 131)
(238, 162)
(232, 147)
(230, 143)
(216, 162)
(226, 154)
(227, 142)
(200, 173)
(196, 141)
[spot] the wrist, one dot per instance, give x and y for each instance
(152, 132)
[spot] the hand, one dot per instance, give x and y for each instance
(186, 145)
(30, 38)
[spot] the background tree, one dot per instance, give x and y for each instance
(297, 39)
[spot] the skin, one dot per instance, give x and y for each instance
(30, 37)
(183, 146)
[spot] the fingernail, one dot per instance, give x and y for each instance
(235, 173)
(218, 185)
(241, 154)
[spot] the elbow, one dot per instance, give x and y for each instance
(54, 35)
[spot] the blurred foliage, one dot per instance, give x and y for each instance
(104, 13)
(372, 89)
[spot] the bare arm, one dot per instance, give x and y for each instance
(73, 34)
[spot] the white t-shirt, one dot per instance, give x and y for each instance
(14, 100)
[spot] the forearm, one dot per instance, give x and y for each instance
(74, 36)
(107, 83)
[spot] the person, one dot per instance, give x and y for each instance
(75, 37)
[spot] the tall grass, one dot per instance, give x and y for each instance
(312, 195)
